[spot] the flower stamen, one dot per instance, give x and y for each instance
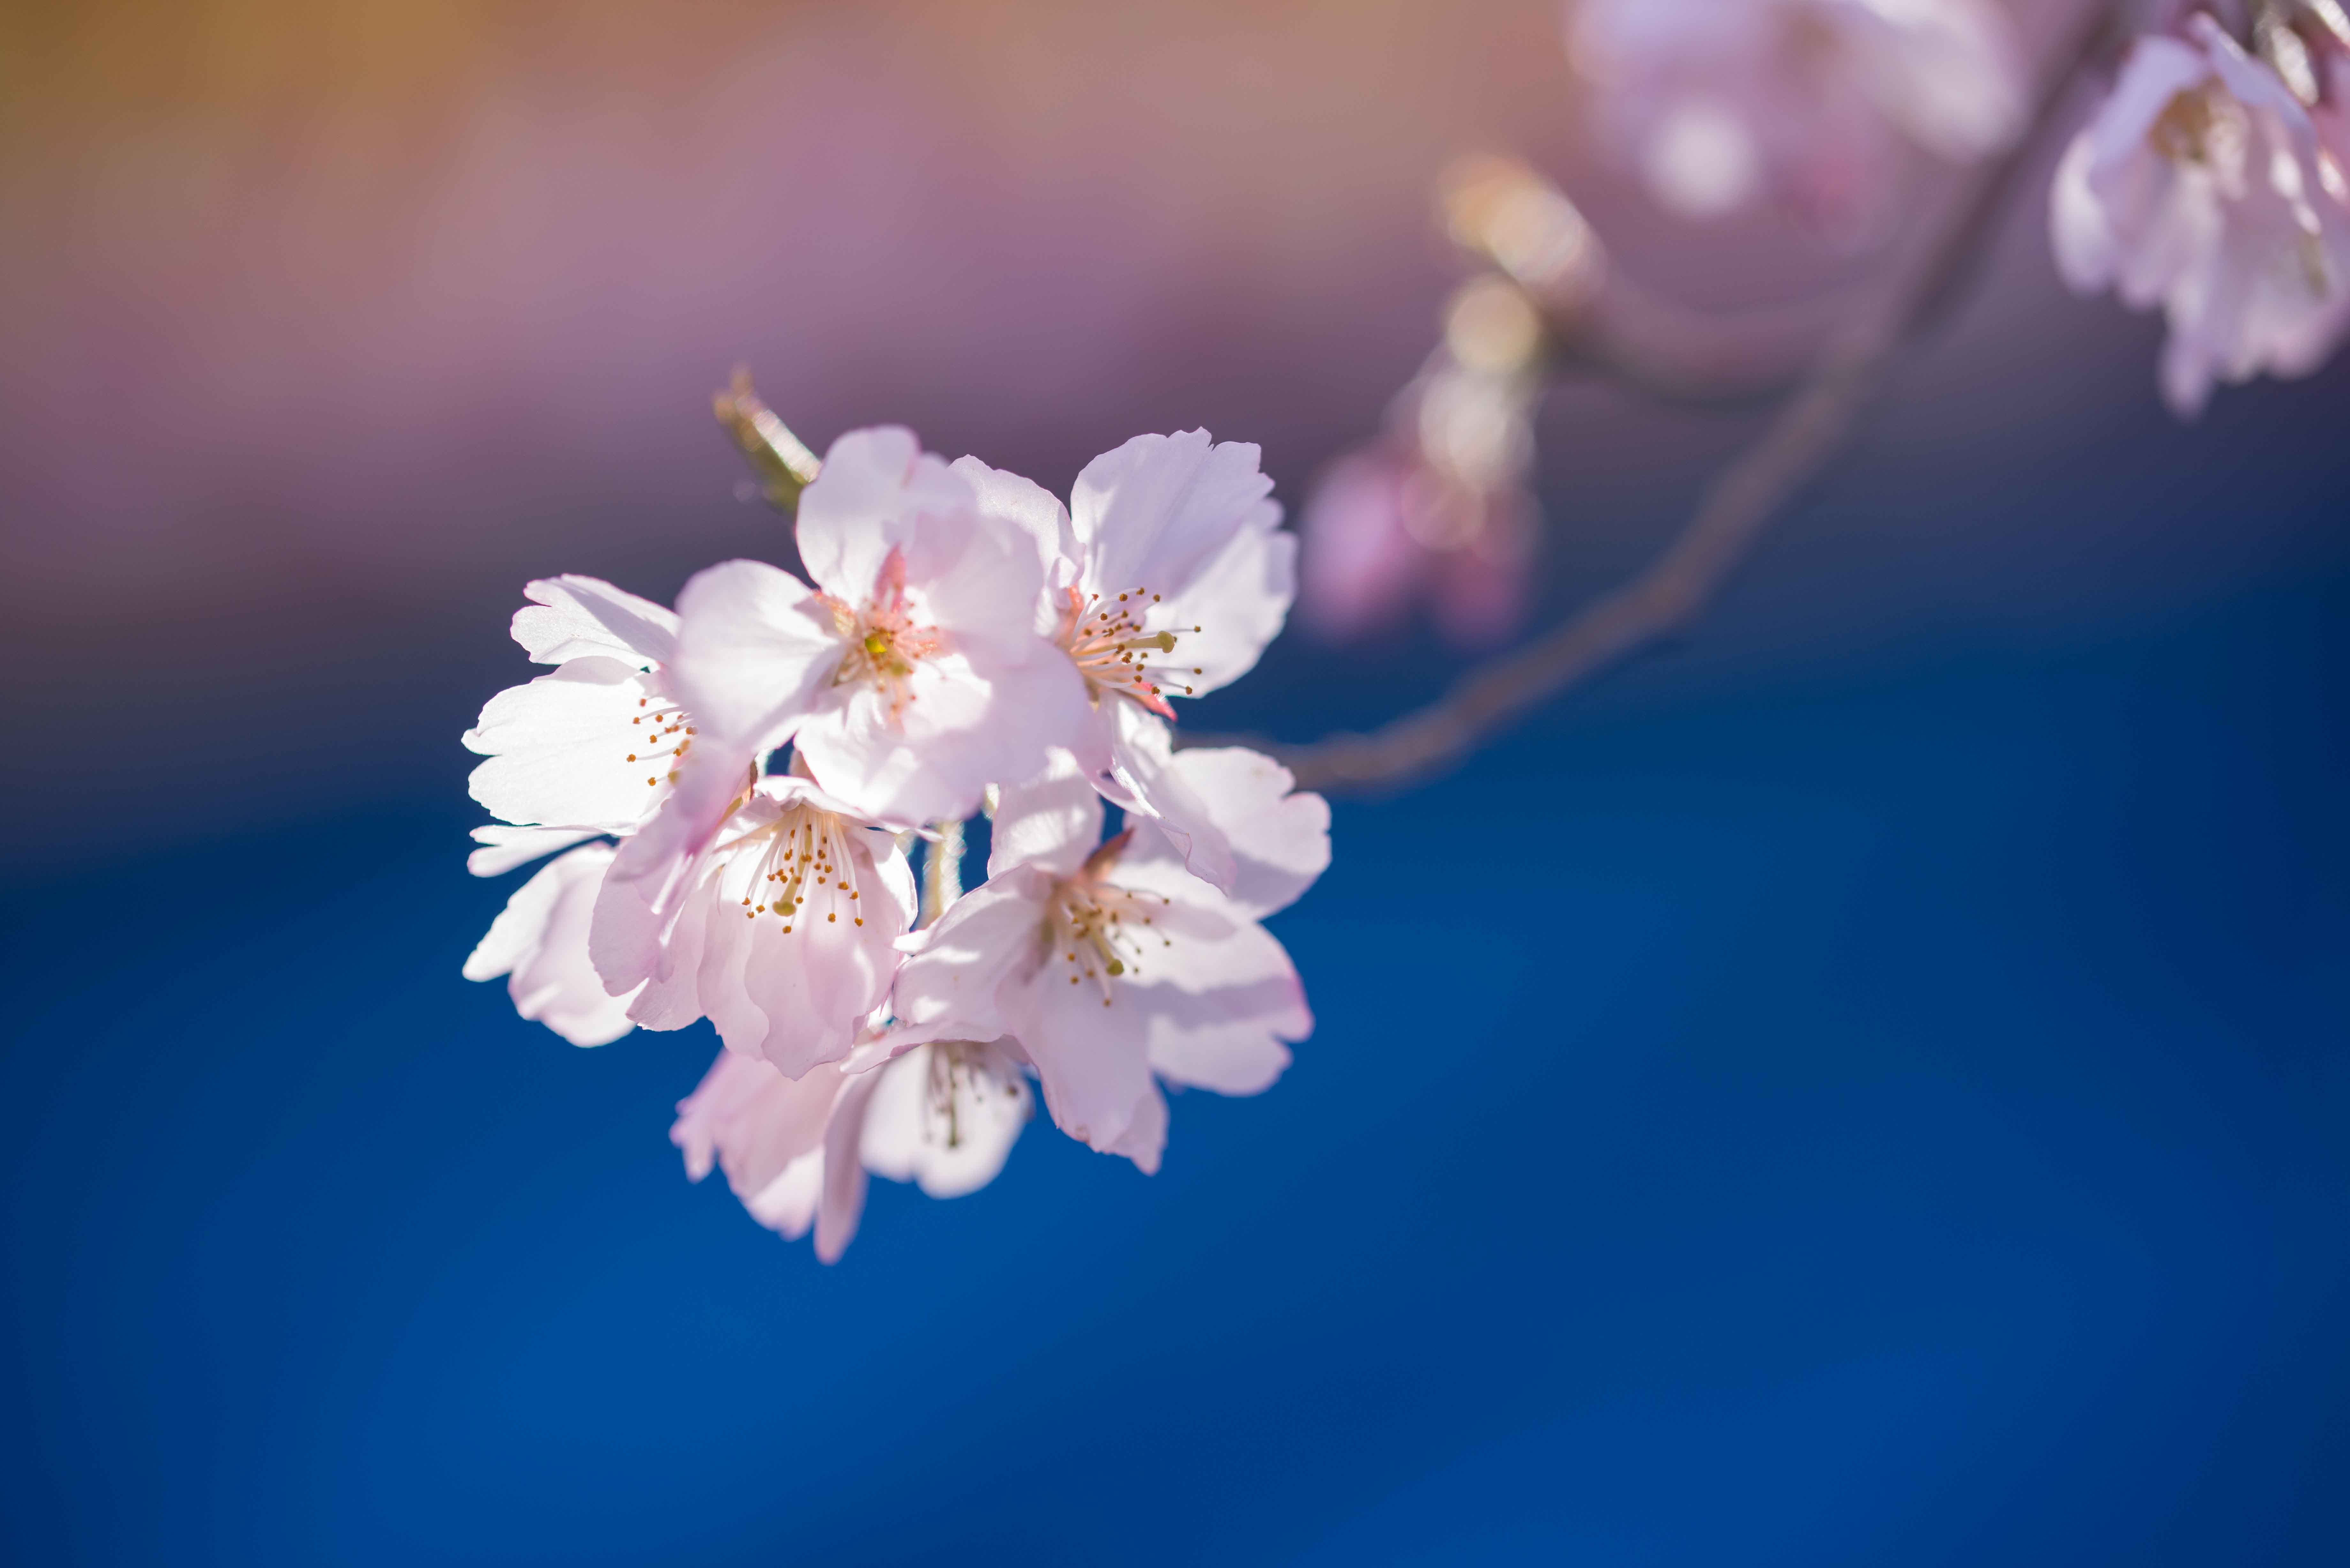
(885, 642)
(1112, 651)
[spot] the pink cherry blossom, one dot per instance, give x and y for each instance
(540, 939)
(1718, 103)
(2202, 186)
(1386, 528)
(1114, 967)
(908, 679)
(795, 1151)
(1168, 574)
(783, 936)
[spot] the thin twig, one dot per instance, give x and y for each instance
(783, 463)
(1741, 502)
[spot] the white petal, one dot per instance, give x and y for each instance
(504, 848)
(2159, 70)
(842, 1201)
(754, 649)
(946, 1118)
(660, 864)
(541, 938)
(767, 1132)
(1155, 512)
(1238, 603)
(1220, 993)
(1144, 763)
(981, 572)
(1054, 821)
(575, 748)
(2251, 82)
(788, 1204)
(1145, 1138)
(988, 938)
(2186, 375)
(876, 487)
(1280, 841)
(579, 618)
(1219, 1011)
(2077, 229)
(1092, 1057)
(971, 723)
(1039, 517)
(670, 994)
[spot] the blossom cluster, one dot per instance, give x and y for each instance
(2210, 183)
(735, 786)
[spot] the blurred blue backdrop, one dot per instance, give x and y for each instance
(1892, 1110)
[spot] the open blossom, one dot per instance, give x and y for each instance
(1110, 964)
(784, 937)
(795, 1151)
(1168, 574)
(593, 746)
(908, 679)
(1720, 103)
(2202, 185)
(540, 939)
(589, 750)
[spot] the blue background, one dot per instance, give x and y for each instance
(1884, 1108)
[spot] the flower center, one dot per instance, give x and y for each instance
(2196, 127)
(1112, 651)
(1097, 929)
(662, 723)
(960, 1074)
(802, 866)
(885, 642)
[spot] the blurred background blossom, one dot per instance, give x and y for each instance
(1815, 104)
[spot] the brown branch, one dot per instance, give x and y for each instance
(1741, 502)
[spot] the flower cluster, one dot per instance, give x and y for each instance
(2211, 184)
(735, 785)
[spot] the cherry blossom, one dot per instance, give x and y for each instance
(1110, 964)
(783, 936)
(795, 1151)
(1168, 574)
(589, 750)
(540, 939)
(908, 679)
(1718, 103)
(2202, 185)
(594, 746)
(1386, 527)
(964, 637)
